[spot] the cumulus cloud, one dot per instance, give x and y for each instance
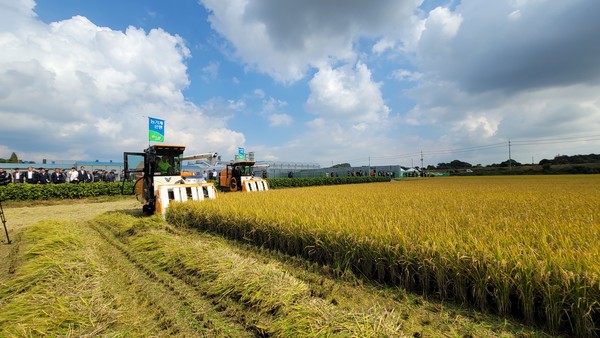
(346, 93)
(285, 38)
(508, 69)
(468, 73)
(513, 45)
(271, 108)
(71, 88)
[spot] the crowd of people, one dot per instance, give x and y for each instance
(58, 176)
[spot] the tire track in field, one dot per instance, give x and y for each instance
(180, 308)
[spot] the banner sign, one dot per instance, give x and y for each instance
(241, 155)
(156, 130)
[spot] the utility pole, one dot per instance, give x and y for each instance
(509, 157)
(421, 159)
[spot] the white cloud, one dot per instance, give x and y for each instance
(443, 21)
(406, 75)
(285, 38)
(498, 71)
(482, 46)
(211, 71)
(70, 89)
(259, 93)
(346, 93)
(480, 125)
(277, 120)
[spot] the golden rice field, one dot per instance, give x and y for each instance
(527, 247)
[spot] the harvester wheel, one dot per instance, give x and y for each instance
(233, 184)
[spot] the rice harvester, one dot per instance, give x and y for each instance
(159, 179)
(239, 176)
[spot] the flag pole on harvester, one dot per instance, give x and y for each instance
(156, 130)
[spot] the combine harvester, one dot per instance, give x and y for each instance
(159, 179)
(239, 176)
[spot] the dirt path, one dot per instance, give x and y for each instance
(75, 210)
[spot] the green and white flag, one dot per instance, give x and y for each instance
(156, 130)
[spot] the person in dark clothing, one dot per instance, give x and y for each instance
(81, 174)
(31, 176)
(43, 177)
(17, 176)
(57, 177)
(4, 177)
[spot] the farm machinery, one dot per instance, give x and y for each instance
(239, 176)
(159, 179)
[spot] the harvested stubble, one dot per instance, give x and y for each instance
(521, 246)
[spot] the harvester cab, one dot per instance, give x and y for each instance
(158, 178)
(239, 176)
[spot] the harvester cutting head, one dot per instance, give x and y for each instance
(239, 176)
(159, 181)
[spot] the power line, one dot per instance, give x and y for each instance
(510, 143)
(558, 140)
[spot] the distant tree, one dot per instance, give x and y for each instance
(13, 158)
(507, 163)
(561, 159)
(575, 159)
(341, 165)
(456, 164)
(460, 164)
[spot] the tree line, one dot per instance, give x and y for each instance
(558, 159)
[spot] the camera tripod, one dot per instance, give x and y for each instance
(4, 223)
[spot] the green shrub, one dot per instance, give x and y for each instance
(26, 191)
(275, 183)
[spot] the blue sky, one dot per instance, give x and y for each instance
(307, 81)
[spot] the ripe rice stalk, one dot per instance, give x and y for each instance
(498, 235)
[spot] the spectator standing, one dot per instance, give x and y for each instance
(17, 176)
(4, 177)
(31, 176)
(214, 174)
(104, 176)
(56, 177)
(73, 176)
(43, 177)
(81, 174)
(88, 178)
